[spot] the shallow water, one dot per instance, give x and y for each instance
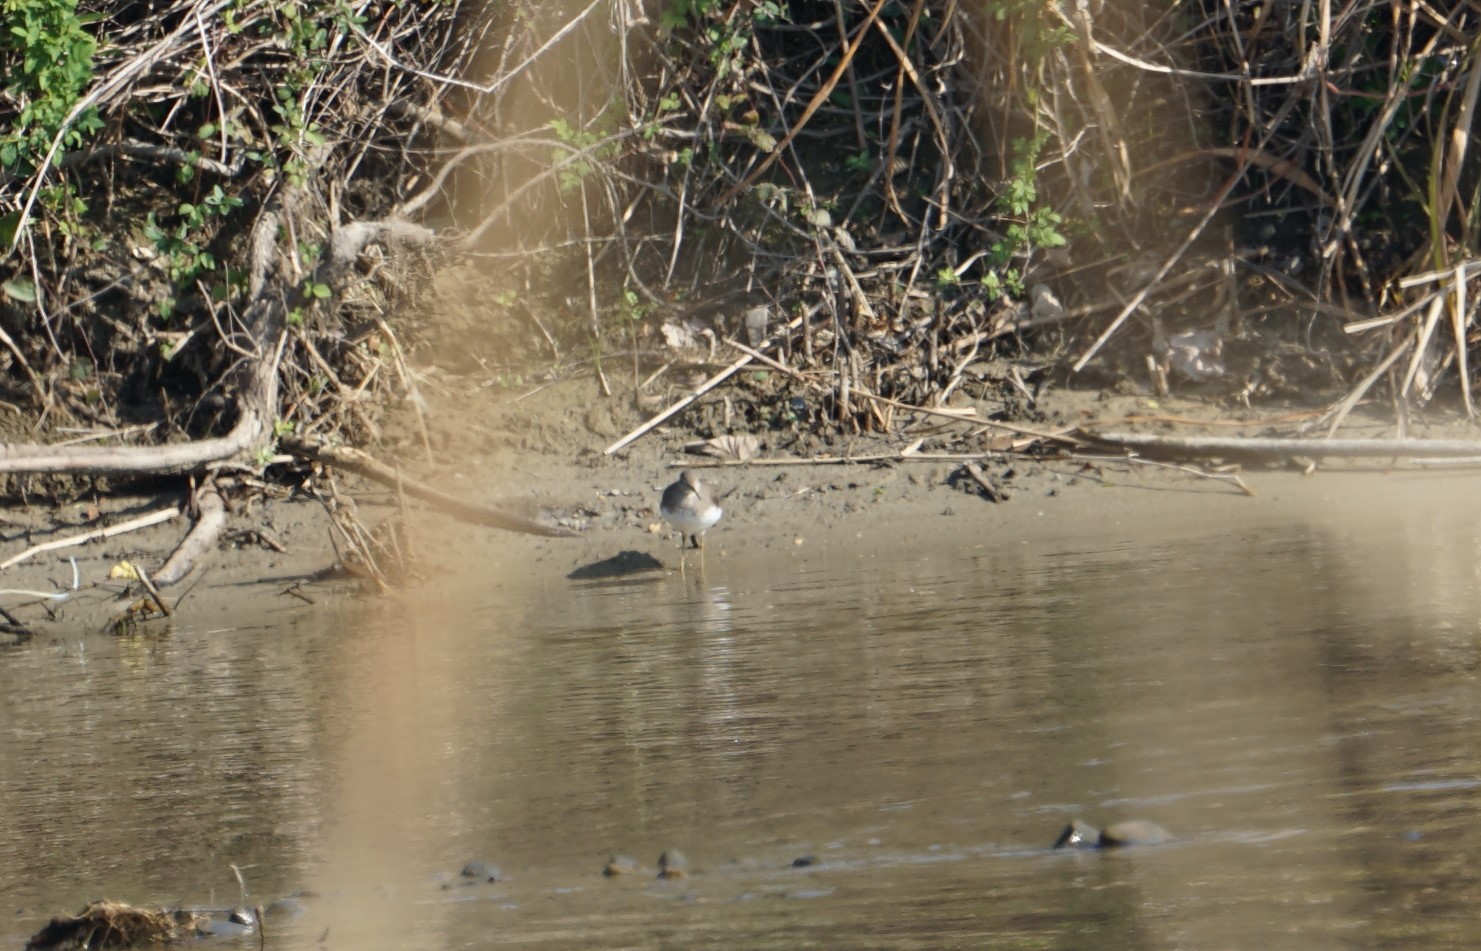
(1298, 702)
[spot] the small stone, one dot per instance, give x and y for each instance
(483, 871)
(673, 864)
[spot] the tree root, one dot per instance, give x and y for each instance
(360, 463)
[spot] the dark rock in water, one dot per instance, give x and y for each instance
(621, 865)
(219, 922)
(289, 908)
(483, 871)
(673, 864)
(1083, 835)
(229, 927)
(805, 861)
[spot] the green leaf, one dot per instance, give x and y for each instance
(19, 289)
(9, 224)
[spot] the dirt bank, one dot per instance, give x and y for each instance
(541, 453)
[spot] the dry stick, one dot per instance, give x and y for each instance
(908, 454)
(1423, 345)
(1112, 139)
(1275, 165)
(1279, 446)
(1372, 323)
(959, 416)
(343, 518)
(1192, 421)
(159, 601)
(908, 68)
(504, 79)
(1167, 265)
(1063, 435)
(1229, 477)
(353, 460)
(993, 493)
(20, 358)
(1429, 277)
(774, 364)
(133, 524)
(1359, 391)
(1458, 320)
(1460, 140)
(106, 434)
(904, 455)
(705, 387)
(820, 97)
(408, 381)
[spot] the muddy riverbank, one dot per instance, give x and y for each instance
(542, 455)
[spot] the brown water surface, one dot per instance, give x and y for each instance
(1297, 701)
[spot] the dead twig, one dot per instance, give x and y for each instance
(1132, 458)
(701, 390)
(122, 528)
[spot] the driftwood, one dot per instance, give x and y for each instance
(360, 463)
(210, 520)
(1206, 447)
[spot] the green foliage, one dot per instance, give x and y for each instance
(1030, 225)
(574, 169)
(725, 33)
(46, 61)
(1040, 30)
(182, 248)
(19, 289)
(681, 13)
(633, 308)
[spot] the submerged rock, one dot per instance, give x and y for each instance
(621, 865)
(482, 871)
(1083, 835)
(289, 907)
